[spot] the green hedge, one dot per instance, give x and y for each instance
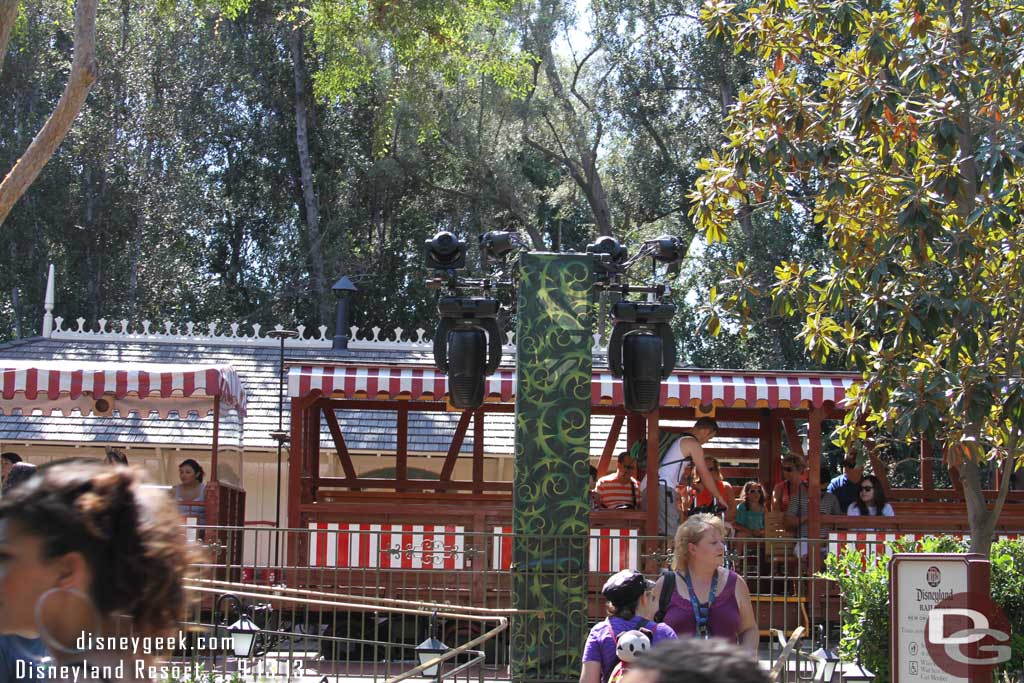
(865, 589)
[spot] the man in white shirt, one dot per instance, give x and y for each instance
(686, 451)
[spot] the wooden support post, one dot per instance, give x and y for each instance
(814, 488)
(313, 434)
(214, 451)
(765, 425)
(653, 491)
(478, 451)
(296, 457)
(927, 463)
(775, 459)
(609, 445)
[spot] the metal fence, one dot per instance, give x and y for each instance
(341, 601)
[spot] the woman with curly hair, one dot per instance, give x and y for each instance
(84, 545)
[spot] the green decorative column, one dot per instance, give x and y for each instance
(551, 515)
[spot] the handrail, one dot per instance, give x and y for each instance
(454, 652)
(426, 609)
(276, 591)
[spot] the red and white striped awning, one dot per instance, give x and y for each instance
(67, 385)
(683, 388)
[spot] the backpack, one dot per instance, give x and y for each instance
(629, 646)
(668, 587)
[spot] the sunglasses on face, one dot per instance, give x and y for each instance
(850, 466)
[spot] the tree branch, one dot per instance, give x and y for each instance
(80, 81)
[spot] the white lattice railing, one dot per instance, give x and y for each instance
(251, 334)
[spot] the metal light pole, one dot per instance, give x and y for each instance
(281, 436)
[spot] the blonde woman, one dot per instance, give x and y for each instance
(708, 600)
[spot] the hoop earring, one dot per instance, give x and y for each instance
(44, 634)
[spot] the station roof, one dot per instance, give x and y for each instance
(256, 359)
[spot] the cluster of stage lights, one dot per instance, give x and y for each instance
(467, 345)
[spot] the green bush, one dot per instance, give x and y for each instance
(865, 588)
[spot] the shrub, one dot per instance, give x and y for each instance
(864, 583)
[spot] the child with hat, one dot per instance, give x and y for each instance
(631, 606)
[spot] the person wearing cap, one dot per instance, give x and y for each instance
(631, 605)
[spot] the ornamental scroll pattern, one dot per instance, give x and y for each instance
(551, 510)
(430, 553)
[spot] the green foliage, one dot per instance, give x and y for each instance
(903, 140)
(864, 583)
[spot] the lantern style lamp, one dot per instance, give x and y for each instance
(825, 663)
(243, 636)
(243, 632)
(429, 649)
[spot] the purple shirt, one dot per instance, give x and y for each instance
(724, 617)
(600, 645)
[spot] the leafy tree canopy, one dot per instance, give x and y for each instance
(897, 128)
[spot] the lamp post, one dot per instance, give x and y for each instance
(343, 289)
(825, 663)
(281, 436)
(429, 649)
(243, 632)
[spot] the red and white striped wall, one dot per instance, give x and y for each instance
(874, 542)
(386, 546)
(611, 550)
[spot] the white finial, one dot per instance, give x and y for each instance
(48, 305)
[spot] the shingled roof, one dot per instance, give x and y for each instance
(256, 360)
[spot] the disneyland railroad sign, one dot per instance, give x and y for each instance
(945, 626)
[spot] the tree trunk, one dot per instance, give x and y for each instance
(312, 210)
(80, 80)
(8, 15)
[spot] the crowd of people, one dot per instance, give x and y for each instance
(691, 483)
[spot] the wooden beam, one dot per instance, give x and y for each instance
(339, 443)
(609, 445)
(456, 446)
(794, 437)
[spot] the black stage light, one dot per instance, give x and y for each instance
(467, 346)
(641, 351)
(496, 244)
(669, 249)
(610, 256)
(445, 251)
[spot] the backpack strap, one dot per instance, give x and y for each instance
(668, 587)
